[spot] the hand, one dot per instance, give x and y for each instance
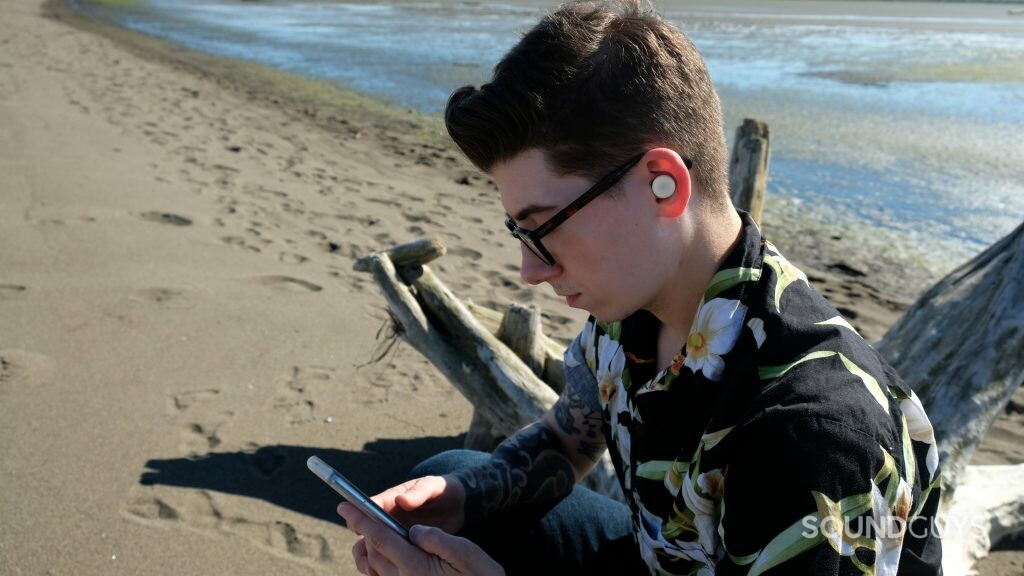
(382, 552)
(430, 500)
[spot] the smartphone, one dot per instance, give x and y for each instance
(354, 495)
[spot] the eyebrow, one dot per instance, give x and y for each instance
(528, 211)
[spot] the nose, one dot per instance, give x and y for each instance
(534, 270)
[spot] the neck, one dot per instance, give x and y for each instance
(711, 241)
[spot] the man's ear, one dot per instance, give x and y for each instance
(666, 162)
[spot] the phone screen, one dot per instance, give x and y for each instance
(354, 495)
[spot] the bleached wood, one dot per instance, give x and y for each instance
(748, 167)
(988, 505)
(554, 371)
(520, 330)
(411, 254)
(961, 348)
(512, 396)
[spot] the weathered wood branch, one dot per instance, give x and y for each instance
(748, 167)
(520, 330)
(961, 348)
(554, 371)
(492, 377)
(988, 506)
(505, 392)
(411, 254)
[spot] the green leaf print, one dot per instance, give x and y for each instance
(654, 469)
(837, 321)
(769, 372)
(869, 382)
(612, 329)
(726, 279)
(681, 522)
(788, 544)
(786, 274)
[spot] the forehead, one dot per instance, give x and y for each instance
(527, 180)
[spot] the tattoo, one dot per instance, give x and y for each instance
(592, 450)
(578, 414)
(527, 467)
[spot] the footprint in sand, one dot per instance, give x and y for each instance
(166, 218)
(239, 242)
(288, 283)
(11, 291)
(19, 365)
(467, 253)
(266, 461)
(157, 295)
(198, 510)
(199, 438)
(293, 402)
(186, 400)
(292, 258)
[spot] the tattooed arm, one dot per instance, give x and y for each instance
(545, 459)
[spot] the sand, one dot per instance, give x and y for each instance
(181, 324)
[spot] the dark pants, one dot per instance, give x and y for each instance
(582, 533)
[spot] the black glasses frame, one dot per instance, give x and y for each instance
(532, 238)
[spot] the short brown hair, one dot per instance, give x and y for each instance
(591, 85)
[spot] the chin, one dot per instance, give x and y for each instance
(604, 315)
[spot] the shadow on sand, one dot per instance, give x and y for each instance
(278, 474)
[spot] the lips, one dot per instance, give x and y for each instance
(572, 298)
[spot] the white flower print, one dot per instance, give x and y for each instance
(920, 429)
(652, 541)
(584, 343)
(756, 326)
(715, 331)
(891, 527)
(704, 516)
(612, 361)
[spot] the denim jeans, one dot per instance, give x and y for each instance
(581, 533)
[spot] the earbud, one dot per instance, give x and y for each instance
(663, 186)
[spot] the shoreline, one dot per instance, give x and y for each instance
(177, 235)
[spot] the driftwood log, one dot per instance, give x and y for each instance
(506, 394)
(961, 348)
(748, 167)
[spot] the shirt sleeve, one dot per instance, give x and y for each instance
(798, 496)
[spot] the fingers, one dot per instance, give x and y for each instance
(387, 552)
(451, 549)
(351, 514)
(359, 553)
(458, 553)
(379, 564)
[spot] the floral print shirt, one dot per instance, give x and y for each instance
(777, 442)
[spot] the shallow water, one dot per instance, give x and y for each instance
(893, 121)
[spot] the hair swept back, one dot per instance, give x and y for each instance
(593, 84)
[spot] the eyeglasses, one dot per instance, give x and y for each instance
(532, 237)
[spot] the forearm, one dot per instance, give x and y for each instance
(529, 466)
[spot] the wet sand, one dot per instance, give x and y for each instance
(183, 327)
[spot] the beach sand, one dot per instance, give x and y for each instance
(182, 327)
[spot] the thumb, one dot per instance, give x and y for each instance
(418, 494)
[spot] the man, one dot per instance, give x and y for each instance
(752, 429)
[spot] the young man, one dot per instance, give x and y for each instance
(752, 429)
